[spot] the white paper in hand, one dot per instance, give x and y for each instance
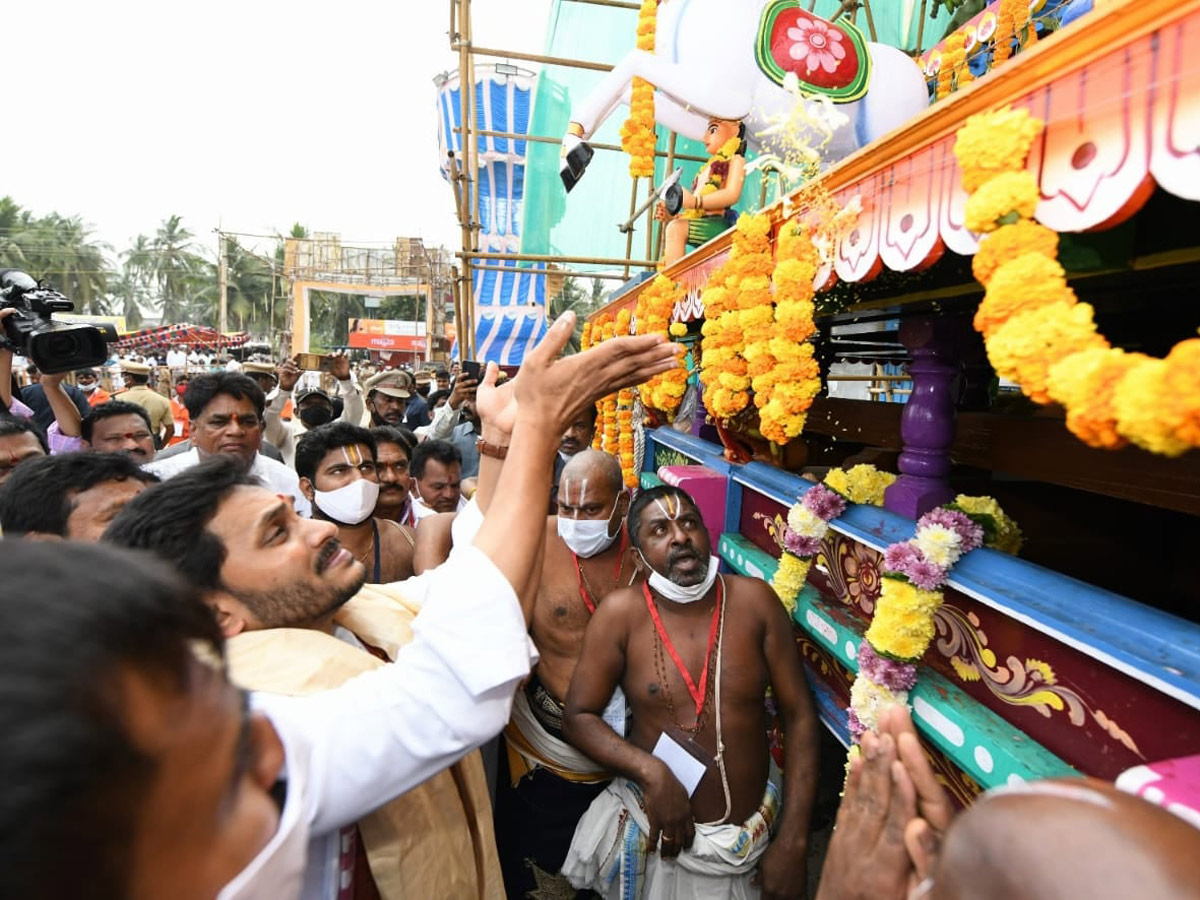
(614, 713)
(682, 764)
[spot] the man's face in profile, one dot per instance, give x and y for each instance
(205, 813)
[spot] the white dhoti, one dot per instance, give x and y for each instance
(608, 853)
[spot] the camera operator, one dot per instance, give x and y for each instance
(64, 433)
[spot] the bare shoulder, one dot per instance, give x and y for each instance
(753, 595)
(621, 605)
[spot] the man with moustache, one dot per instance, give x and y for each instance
(436, 470)
(576, 438)
(393, 451)
(547, 783)
(119, 427)
(226, 410)
(696, 798)
(337, 468)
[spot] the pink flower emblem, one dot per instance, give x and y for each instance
(817, 44)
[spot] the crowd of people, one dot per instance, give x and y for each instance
(407, 635)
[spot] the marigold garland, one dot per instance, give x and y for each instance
(653, 311)
(637, 132)
(740, 285)
(1036, 331)
(808, 523)
(914, 572)
(624, 410)
(784, 371)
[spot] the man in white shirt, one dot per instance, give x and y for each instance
(312, 407)
(176, 359)
(226, 413)
(150, 777)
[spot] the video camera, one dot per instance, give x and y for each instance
(51, 346)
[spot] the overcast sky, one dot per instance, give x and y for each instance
(248, 114)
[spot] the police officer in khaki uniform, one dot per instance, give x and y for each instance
(137, 377)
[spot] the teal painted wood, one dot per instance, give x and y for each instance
(649, 480)
(978, 741)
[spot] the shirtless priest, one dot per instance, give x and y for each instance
(697, 800)
(549, 783)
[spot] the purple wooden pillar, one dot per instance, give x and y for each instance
(927, 424)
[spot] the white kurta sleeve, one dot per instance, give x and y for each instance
(441, 426)
(448, 691)
(353, 410)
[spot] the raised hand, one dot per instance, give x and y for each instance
(340, 366)
(289, 373)
(555, 392)
(867, 859)
(496, 403)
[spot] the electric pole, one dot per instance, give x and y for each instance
(222, 286)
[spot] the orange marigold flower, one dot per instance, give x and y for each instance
(1008, 243)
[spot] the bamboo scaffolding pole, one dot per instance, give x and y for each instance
(542, 139)
(577, 260)
(617, 4)
(538, 58)
(568, 273)
(629, 234)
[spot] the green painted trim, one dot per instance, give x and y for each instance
(978, 741)
(745, 558)
(649, 480)
(855, 90)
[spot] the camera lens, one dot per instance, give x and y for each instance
(63, 345)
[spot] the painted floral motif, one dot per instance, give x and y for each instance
(853, 570)
(818, 45)
(1030, 683)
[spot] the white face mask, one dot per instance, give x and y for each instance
(349, 504)
(587, 537)
(665, 587)
(87, 388)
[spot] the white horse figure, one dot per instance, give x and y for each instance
(729, 59)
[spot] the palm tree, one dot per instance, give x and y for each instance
(60, 250)
(175, 266)
(10, 223)
(571, 297)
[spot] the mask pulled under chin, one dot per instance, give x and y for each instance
(351, 503)
(665, 587)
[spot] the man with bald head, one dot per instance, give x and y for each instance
(897, 837)
(549, 783)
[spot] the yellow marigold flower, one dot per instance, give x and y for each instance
(1137, 402)
(678, 329)
(994, 142)
(1029, 343)
(789, 580)
(1084, 384)
(1182, 397)
(861, 484)
(1007, 193)
(1027, 282)
(1009, 242)
(751, 225)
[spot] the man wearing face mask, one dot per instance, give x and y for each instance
(313, 408)
(545, 783)
(695, 651)
(337, 468)
(89, 382)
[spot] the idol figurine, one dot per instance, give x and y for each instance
(697, 216)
